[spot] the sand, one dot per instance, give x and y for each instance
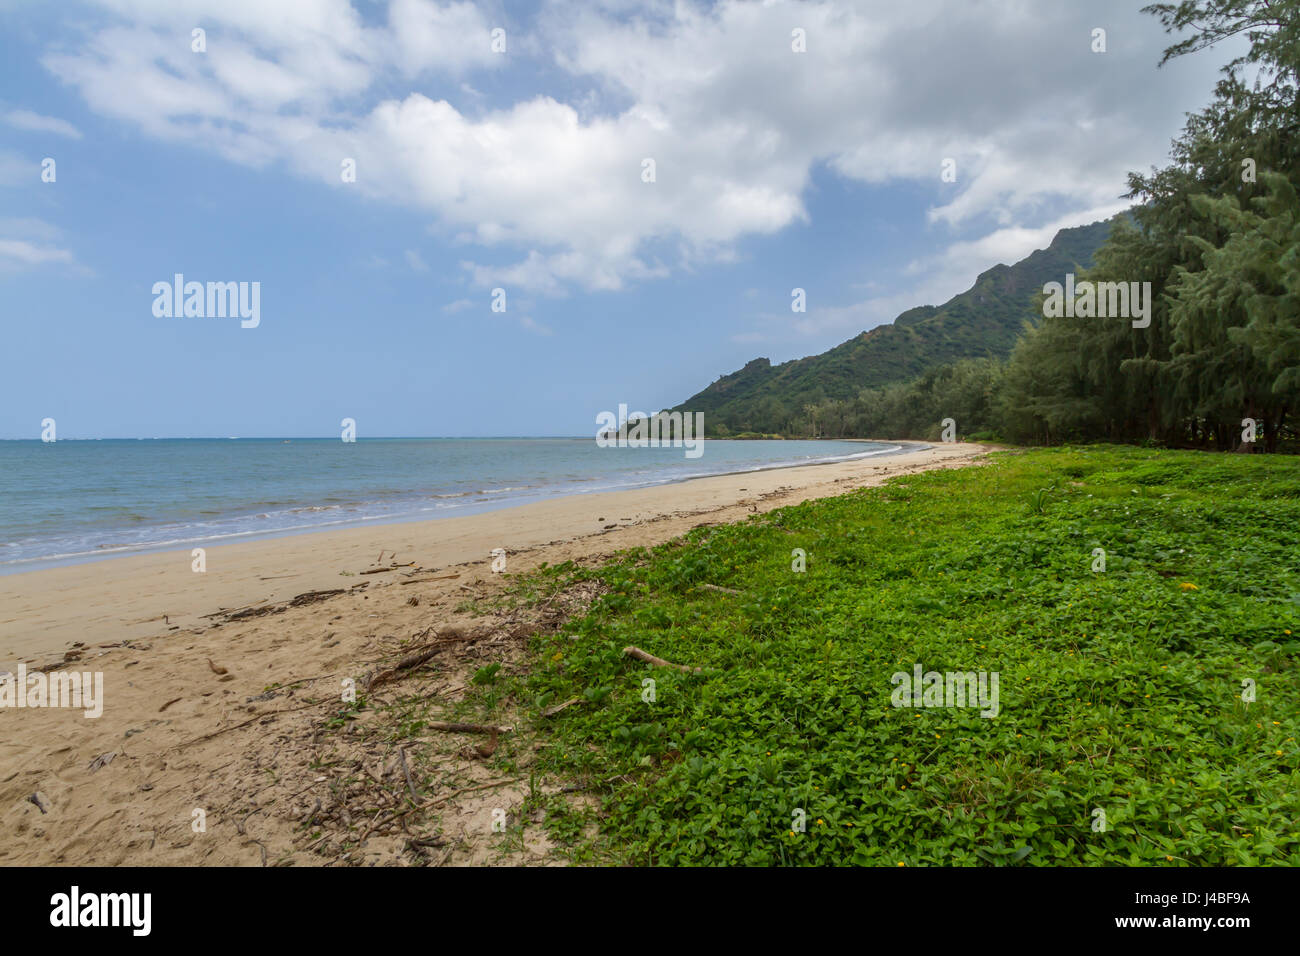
(218, 693)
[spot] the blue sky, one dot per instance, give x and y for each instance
(522, 170)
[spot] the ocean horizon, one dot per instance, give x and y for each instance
(87, 499)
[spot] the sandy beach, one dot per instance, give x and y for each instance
(217, 683)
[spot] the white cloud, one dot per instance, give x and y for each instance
(734, 120)
(30, 243)
(949, 272)
(535, 327)
(35, 122)
(440, 37)
(415, 262)
(955, 268)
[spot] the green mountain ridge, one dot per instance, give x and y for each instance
(984, 321)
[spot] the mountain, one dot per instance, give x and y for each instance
(983, 321)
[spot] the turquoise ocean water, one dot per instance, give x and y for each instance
(69, 501)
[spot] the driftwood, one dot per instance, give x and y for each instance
(391, 567)
(311, 597)
(405, 664)
(416, 658)
(228, 611)
(659, 661)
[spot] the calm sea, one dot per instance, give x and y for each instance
(69, 501)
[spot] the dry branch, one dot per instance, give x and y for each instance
(659, 661)
(459, 728)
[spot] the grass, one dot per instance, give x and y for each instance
(1121, 691)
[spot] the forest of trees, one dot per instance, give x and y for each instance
(1216, 233)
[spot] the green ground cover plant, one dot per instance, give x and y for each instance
(1121, 691)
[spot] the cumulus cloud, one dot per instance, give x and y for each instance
(547, 171)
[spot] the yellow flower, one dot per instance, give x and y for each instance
(1277, 723)
(901, 863)
(1278, 752)
(1170, 859)
(1188, 586)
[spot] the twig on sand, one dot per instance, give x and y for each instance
(235, 610)
(483, 786)
(406, 663)
(659, 661)
(244, 723)
(410, 784)
(416, 658)
(458, 728)
(391, 567)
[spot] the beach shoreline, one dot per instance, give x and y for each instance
(47, 610)
(216, 685)
(28, 565)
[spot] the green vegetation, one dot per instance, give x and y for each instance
(985, 321)
(1120, 690)
(1217, 236)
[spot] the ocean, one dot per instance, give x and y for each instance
(69, 501)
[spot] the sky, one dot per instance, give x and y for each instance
(503, 146)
